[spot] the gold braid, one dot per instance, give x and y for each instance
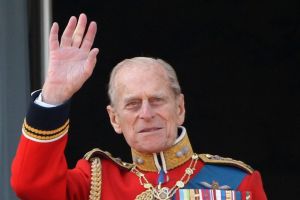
(96, 180)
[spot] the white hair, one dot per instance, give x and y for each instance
(171, 74)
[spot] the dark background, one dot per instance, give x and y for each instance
(238, 65)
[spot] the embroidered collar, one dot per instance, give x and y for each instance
(173, 157)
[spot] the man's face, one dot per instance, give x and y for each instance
(146, 110)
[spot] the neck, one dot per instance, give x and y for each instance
(168, 159)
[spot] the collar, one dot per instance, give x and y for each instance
(173, 157)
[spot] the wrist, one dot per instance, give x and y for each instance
(54, 95)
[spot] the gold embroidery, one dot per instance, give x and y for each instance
(96, 152)
(45, 137)
(96, 179)
(215, 159)
(172, 158)
(43, 132)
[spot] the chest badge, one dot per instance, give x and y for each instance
(214, 185)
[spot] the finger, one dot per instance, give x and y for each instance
(89, 37)
(79, 31)
(91, 62)
(66, 38)
(53, 37)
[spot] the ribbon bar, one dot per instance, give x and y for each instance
(211, 194)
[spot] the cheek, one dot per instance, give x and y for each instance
(173, 121)
(172, 118)
(173, 133)
(127, 124)
(126, 119)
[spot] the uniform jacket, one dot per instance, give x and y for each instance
(40, 172)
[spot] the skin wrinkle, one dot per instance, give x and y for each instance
(148, 112)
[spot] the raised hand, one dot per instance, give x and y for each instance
(71, 61)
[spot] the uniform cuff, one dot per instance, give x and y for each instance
(44, 124)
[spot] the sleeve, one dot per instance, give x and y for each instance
(39, 169)
(253, 183)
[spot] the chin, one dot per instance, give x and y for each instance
(151, 149)
(151, 144)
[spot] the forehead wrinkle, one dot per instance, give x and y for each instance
(124, 76)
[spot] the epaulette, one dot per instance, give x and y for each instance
(105, 154)
(215, 159)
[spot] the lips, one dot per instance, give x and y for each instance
(150, 129)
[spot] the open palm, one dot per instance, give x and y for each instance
(71, 62)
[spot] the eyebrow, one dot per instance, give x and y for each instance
(132, 98)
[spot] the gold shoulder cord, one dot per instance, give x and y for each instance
(96, 181)
(215, 159)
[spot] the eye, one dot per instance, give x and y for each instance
(132, 105)
(157, 101)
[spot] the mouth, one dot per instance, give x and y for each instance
(151, 129)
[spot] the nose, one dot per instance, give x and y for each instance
(146, 112)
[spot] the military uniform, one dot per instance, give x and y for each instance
(39, 170)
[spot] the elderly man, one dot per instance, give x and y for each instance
(147, 107)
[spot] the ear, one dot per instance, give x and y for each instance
(114, 120)
(180, 110)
